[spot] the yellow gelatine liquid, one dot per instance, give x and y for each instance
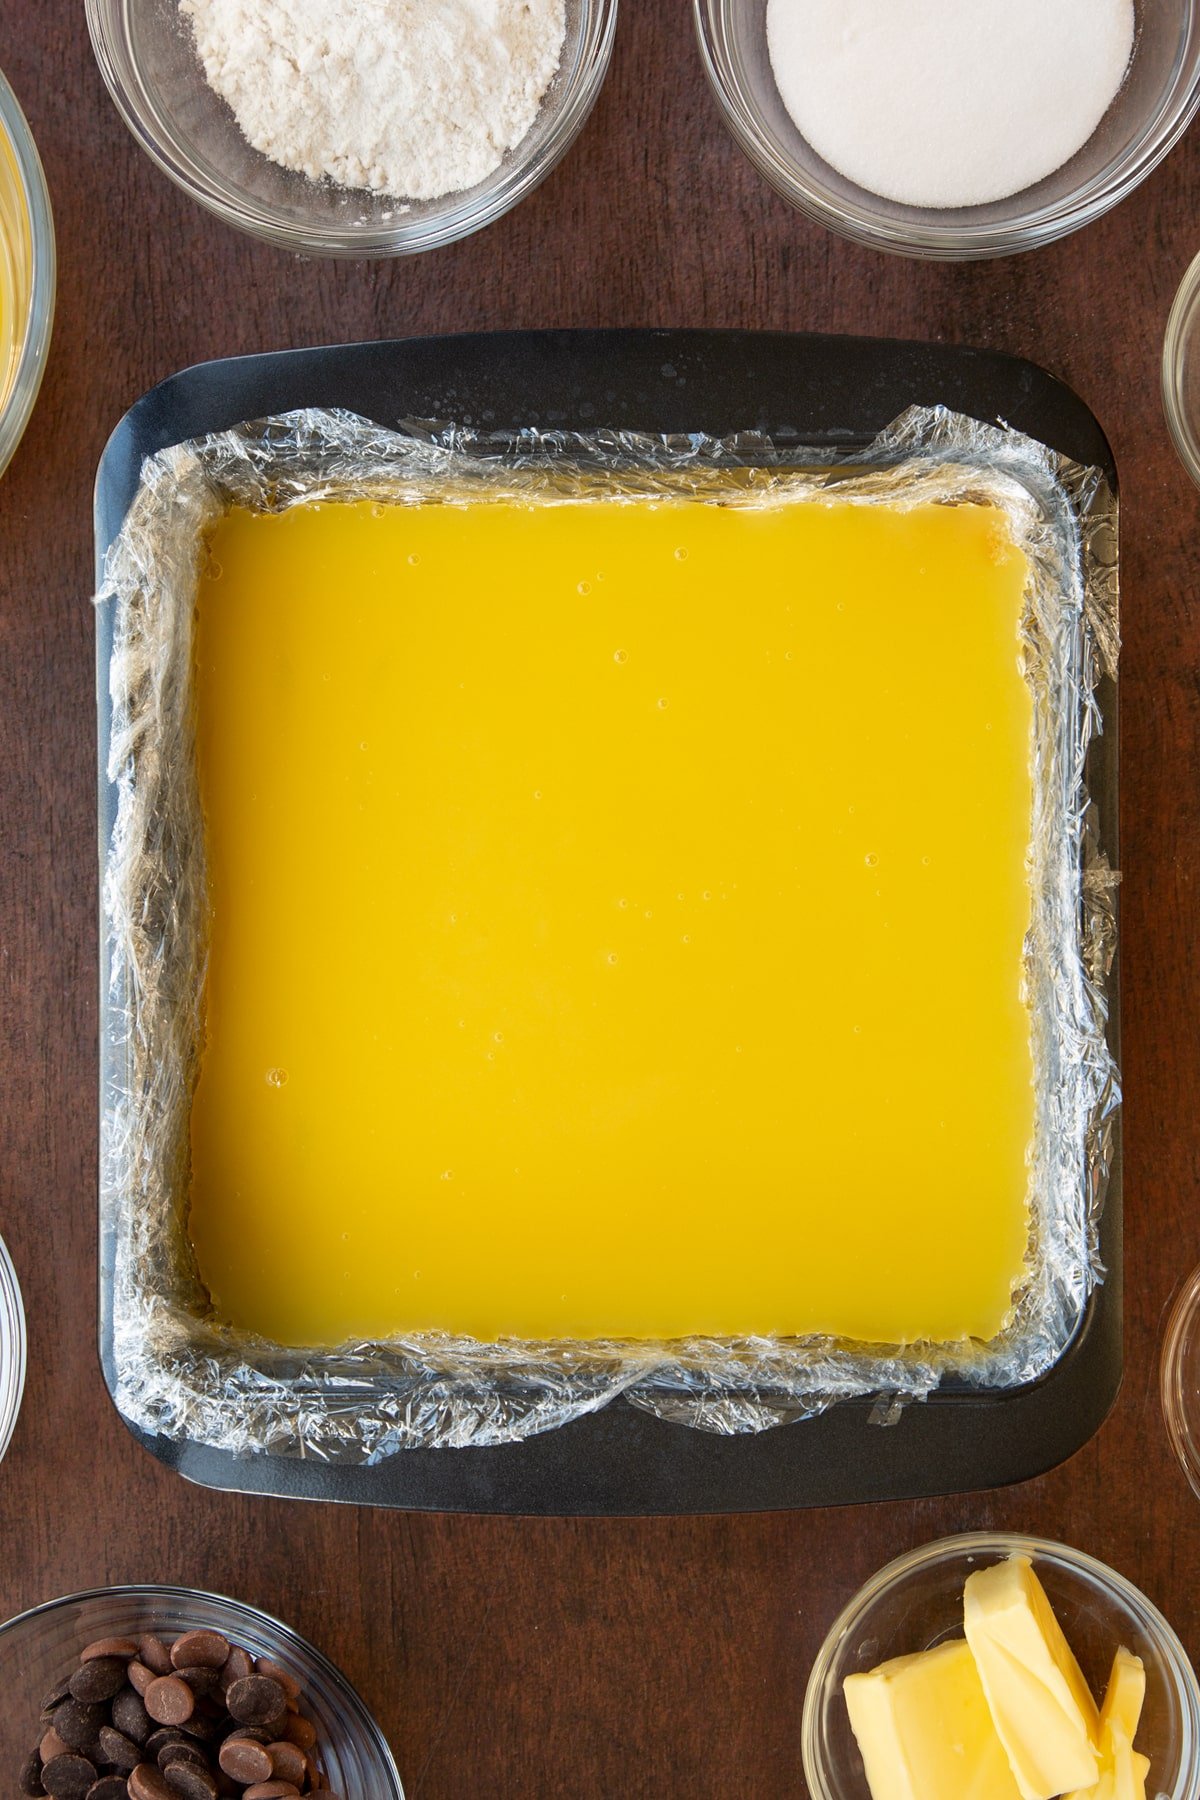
(617, 919)
(16, 253)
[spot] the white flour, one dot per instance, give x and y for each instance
(414, 98)
(948, 102)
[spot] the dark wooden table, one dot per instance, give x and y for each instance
(506, 1657)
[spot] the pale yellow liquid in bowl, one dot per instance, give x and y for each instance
(617, 921)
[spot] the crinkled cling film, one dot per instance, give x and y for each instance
(181, 1371)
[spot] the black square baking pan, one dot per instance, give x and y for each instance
(829, 393)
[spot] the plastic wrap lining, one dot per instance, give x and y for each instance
(184, 1373)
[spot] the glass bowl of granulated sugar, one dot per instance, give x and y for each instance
(354, 127)
(936, 129)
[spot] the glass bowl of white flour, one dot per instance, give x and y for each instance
(355, 127)
(938, 129)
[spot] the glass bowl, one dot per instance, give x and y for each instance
(148, 60)
(916, 1602)
(26, 273)
(1179, 1376)
(1181, 372)
(12, 1348)
(1149, 115)
(37, 1648)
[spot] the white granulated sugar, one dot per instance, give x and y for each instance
(948, 102)
(414, 98)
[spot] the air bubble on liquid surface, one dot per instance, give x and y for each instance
(584, 587)
(413, 560)
(662, 705)
(871, 859)
(537, 793)
(623, 904)
(277, 1078)
(447, 1175)
(681, 554)
(497, 1037)
(377, 511)
(612, 958)
(620, 656)
(215, 570)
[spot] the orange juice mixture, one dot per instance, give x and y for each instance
(617, 918)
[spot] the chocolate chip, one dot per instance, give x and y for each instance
(245, 1760)
(238, 1664)
(192, 1781)
(169, 1700)
(125, 1648)
(200, 1649)
(99, 1679)
(30, 1781)
(300, 1730)
(255, 1700)
(182, 1751)
(287, 1762)
(140, 1676)
(68, 1777)
(287, 1681)
(270, 1790)
(119, 1750)
(78, 1725)
(154, 1653)
(202, 1678)
(130, 1716)
(51, 1746)
(57, 1694)
(109, 1787)
(148, 1783)
(161, 1740)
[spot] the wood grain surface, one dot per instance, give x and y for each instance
(507, 1657)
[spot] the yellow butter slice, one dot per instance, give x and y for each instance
(1041, 1706)
(923, 1727)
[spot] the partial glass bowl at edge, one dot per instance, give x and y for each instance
(916, 1603)
(37, 1648)
(1181, 372)
(27, 244)
(149, 63)
(12, 1348)
(1149, 115)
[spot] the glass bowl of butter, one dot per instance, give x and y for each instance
(995, 1665)
(27, 277)
(355, 142)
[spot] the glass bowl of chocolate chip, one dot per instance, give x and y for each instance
(162, 1693)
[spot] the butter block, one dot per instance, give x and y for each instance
(924, 1729)
(1123, 1770)
(1041, 1706)
(1125, 1694)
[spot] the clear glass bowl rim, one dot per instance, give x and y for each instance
(1181, 322)
(1000, 1544)
(168, 1594)
(959, 242)
(31, 363)
(13, 1344)
(1182, 1321)
(455, 219)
